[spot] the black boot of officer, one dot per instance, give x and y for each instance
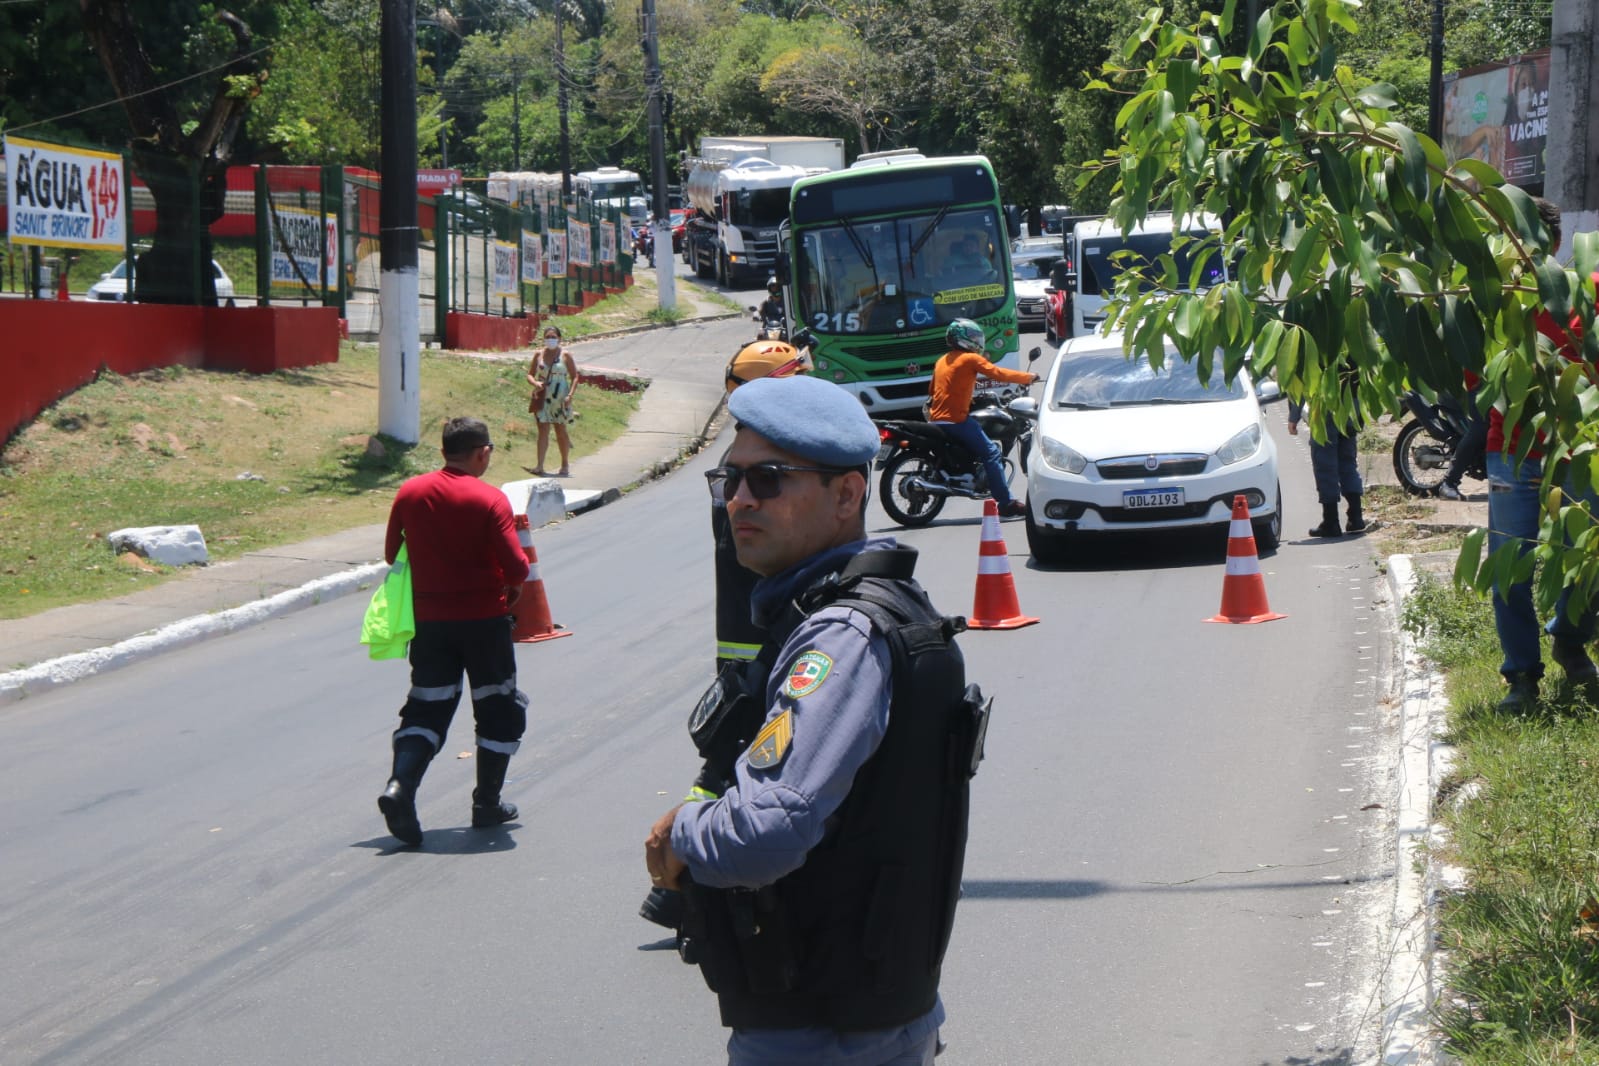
(1329, 522)
(398, 802)
(487, 807)
(1357, 521)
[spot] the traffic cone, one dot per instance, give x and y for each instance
(995, 606)
(532, 610)
(1243, 590)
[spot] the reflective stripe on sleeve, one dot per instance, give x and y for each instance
(728, 649)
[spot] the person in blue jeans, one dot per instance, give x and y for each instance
(1514, 512)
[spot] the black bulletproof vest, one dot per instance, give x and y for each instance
(854, 939)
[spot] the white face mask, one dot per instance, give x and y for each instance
(552, 342)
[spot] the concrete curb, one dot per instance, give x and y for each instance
(1412, 980)
(42, 677)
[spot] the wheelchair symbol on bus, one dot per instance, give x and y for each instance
(921, 311)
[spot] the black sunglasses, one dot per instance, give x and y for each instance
(765, 479)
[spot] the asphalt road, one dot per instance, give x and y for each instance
(1173, 856)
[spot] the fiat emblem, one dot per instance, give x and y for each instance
(1151, 462)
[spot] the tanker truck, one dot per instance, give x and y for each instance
(739, 189)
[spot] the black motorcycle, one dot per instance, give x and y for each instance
(1425, 447)
(923, 466)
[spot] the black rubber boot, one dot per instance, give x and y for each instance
(1329, 522)
(1357, 521)
(398, 802)
(663, 907)
(487, 807)
(1523, 694)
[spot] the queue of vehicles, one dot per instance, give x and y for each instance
(875, 259)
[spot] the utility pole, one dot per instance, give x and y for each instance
(399, 306)
(1571, 177)
(560, 101)
(665, 269)
(1435, 80)
(516, 114)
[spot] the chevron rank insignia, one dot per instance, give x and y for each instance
(771, 743)
(807, 674)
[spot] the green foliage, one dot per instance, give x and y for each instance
(1364, 264)
(1450, 625)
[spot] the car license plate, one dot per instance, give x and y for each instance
(1143, 499)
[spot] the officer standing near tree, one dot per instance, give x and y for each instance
(819, 902)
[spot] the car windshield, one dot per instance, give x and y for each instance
(891, 275)
(1033, 269)
(1099, 269)
(1107, 378)
(120, 270)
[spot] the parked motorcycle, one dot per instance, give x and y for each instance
(1426, 445)
(923, 466)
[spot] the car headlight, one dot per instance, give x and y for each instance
(1244, 443)
(1061, 457)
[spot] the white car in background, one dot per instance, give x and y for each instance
(113, 284)
(1120, 446)
(1030, 271)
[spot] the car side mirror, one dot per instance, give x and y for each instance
(1268, 391)
(1032, 356)
(780, 268)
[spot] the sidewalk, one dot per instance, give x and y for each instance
(70, 643)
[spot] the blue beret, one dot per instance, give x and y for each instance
(808, 417)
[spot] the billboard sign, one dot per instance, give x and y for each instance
(1499, 113)
(532, 257)
(63, 197)
(505, 272)
(578, 242)
(305, 248)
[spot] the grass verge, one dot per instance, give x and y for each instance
(1523, 813)
(255, 461)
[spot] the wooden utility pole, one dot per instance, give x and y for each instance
(1571, 176)
(399, 300)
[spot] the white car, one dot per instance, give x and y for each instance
(1030, 275)
(1120, 446)
(113, 284)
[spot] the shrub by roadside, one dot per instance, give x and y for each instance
(1522, 810)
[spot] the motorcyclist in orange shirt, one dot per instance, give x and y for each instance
(954, 377)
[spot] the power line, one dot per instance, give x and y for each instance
(134, 96)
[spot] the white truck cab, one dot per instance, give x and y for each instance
(1093, 242)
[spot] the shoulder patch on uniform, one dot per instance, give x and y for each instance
(771, 743)
(807, 674)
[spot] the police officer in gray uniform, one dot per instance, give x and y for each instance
(820, 886)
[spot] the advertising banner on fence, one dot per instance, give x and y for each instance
(1499, 113)
(577, 243)
(505, 283)
(63, 197)
(555, 253)
(608, 242)
(532, 258)
(305, 249)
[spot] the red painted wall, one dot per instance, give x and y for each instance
(53, 347)
(488, 333)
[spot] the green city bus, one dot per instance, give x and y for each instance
(883, 255)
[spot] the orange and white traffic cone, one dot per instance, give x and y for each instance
(1243, 590)
(995, 606)
(532, 609)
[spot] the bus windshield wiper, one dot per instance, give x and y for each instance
(865, 253)
(927, 233)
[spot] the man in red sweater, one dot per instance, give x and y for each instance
(467, 569)
(954, 377)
